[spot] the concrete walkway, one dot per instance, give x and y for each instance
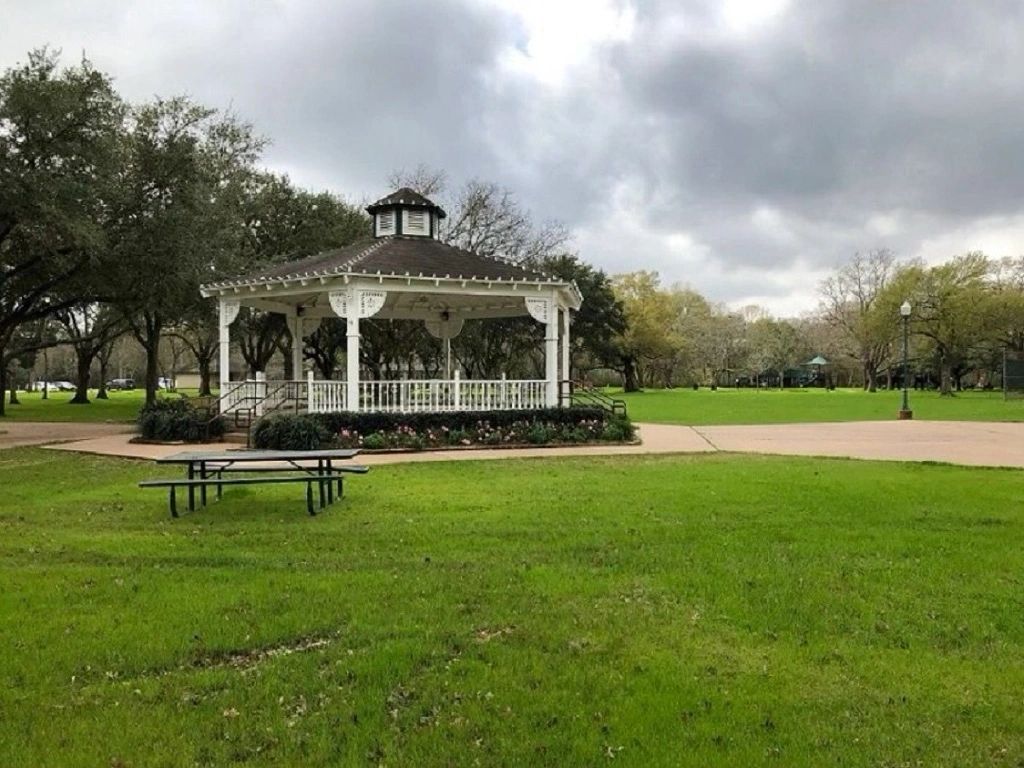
(15, 434)
(958, 442)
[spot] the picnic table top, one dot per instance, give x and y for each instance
(192, 457)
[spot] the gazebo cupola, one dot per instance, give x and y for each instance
(406, 213)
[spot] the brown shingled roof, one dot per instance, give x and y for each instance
(413, 256)
(408, 197)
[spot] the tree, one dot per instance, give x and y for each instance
(58, 133)
(88, 328)
(600, 318)
(954, 309)
(650, 319)
(199, 331)
(181, 166)
(776, 346)
(325, 346)
(850, 301)
(280, 223)
(1007, 279)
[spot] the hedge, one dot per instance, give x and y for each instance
(178, 420)
(437, 430)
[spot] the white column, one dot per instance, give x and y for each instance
(228, 311)
(551, 356)
(352, 361)
(296, 329)
(566, 355)
(261, 391)
(353, 303)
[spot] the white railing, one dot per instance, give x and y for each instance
(432, 395)
(327, 396)
(398, 396)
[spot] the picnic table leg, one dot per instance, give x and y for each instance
(220, 487)
(202, 488)
(309, 498)
(191, 488)
(172, 501)
(330, 484)
(320, 481)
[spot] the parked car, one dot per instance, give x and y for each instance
(121, 384)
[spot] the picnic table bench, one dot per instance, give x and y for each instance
(207, 468)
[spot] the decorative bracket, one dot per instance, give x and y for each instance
(539, 309)
(339, 302)
(356, 303)
(229, 311)
(371, 302)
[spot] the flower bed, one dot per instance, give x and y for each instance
(424, 431)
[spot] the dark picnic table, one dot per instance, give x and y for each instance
(207, 468)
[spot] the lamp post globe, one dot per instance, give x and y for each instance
(905, 412)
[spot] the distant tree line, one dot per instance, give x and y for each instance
(965, 313)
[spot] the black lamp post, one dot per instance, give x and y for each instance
(905, 412)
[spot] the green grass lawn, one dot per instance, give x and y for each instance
(637, 611)
(122, 406)
(752, 406)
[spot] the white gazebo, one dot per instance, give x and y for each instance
(403, 272)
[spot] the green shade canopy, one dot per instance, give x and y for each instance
(819, 360)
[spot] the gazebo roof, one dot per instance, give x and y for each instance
(393, 256)
(406, 255)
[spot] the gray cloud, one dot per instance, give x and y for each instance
(745, 162)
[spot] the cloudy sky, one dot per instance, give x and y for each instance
(744, 147)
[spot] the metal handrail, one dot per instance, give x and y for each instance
(578, 391)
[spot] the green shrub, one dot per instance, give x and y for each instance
(538, 434)
(289, 432)
(618, 429)
(375, 442)
(168, 419)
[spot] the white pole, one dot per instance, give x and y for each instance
(224, 365)
(566, 355)
(352, 361)
(551, 356)
(261, 391)
(296, 348)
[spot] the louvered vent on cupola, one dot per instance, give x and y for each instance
(385, 223)
(416, 223)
